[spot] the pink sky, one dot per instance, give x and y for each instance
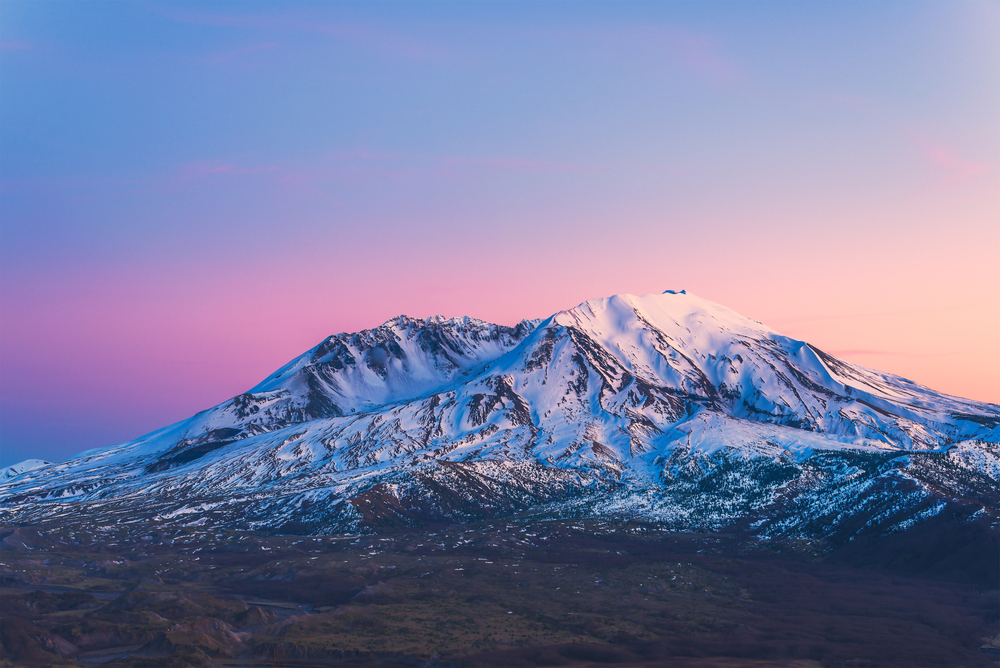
(190, 199)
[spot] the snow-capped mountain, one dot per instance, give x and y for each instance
(668, 407)
(15, 470)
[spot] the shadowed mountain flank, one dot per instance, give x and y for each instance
(666, 408)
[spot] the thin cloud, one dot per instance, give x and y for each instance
(954, 167)
(15, 46)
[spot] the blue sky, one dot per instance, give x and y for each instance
(194, 193)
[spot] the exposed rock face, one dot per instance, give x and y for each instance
(666, 407)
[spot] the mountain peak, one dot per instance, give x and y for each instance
(683, 315)
(625, 392)
(438, 320)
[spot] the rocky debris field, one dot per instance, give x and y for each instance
(553, 593)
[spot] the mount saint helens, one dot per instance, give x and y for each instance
(665, 408)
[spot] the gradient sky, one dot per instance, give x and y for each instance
(191, 194)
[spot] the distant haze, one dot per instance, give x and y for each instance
(191, 194)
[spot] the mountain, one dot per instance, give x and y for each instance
(667, 408)
(15, 470)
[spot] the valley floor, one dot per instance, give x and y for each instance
(558, 593)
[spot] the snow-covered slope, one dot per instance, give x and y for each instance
(618, 405)
(15, 470)
(345, 374)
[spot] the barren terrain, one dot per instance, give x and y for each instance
(560, 593)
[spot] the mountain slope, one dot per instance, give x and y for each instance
(664, 406)
(15, 470)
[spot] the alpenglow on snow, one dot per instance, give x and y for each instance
(665, 407)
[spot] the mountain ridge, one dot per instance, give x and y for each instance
(631, 404)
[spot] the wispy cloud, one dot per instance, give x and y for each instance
(15, 46)
(953, 167)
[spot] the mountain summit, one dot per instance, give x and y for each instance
(666, 407)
